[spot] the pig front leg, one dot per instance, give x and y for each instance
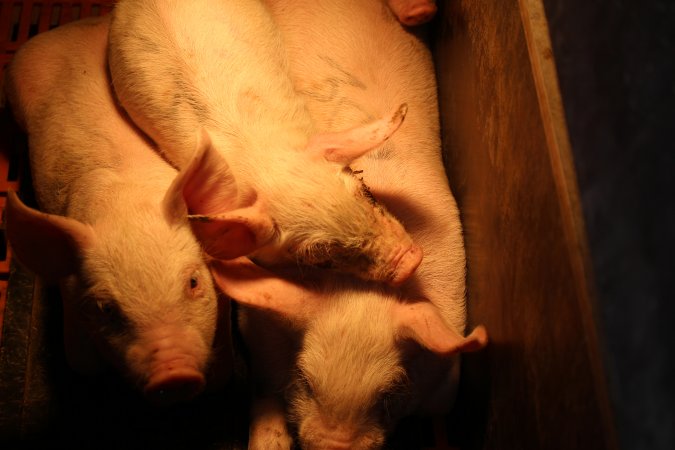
(413, 12)
(268, 430)
(81, 352)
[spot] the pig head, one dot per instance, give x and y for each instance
(288, 195)
(136, 292)
(357, 361)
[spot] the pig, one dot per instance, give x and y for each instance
(413, 12)
(112, 229)
(341, 360)
(287, 194)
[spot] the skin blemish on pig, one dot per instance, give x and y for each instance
(385, 152)
(401, 112)
(365, 191)
(200, 218)
(334, 90)
(347, 78)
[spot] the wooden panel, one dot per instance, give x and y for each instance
(541, 383)
(616, 70)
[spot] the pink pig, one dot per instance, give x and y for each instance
(342, 360)
(339, 359)
(286, 194)
(112, 227)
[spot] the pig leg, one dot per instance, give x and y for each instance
(81, 352)
(413, 12)
(268, 429)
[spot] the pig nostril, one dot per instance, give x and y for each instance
(174, 386)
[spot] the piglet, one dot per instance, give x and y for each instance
(112, 228)
(287, 194)
(343, 360)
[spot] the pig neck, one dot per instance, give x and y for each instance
(102, 193)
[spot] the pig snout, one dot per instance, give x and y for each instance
(341, 437)
(405, 263)
(174, 381)
(398, 257)
(171, 365)
(413, 12)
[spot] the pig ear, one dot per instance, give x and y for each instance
(255, 287)
(49, 245)
(206, 185)
(423, 323)
(346, 146)
(235, 233)
(206, 191)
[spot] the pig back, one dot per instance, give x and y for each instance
(78, 138)
(177, 66)
(352, 60)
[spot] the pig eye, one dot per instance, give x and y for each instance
(306, 385)
(194, 284)
(105, 307)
